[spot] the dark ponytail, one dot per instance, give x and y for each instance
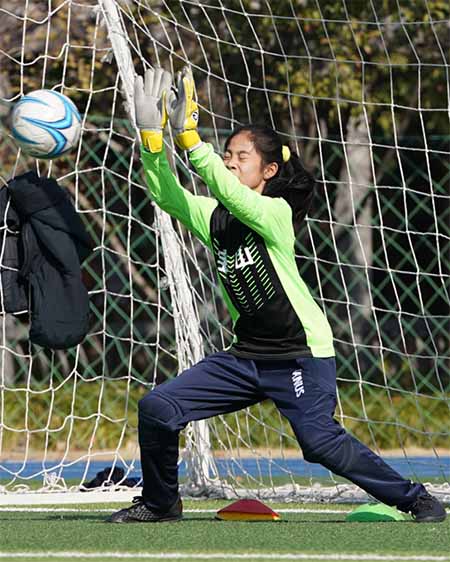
(292, 182)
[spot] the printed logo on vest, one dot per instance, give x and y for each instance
(222, 264)
(297, 380)
(243, 257)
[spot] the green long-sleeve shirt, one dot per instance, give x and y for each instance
(252, 239)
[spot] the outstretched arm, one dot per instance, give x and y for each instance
(270, 217)
(151, 118)
(194, 211)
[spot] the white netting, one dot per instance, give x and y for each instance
(361, 90)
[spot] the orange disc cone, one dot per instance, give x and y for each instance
(247, 510)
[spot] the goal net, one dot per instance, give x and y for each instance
(361, 91)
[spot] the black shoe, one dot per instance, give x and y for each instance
(140, 513)
(427, 509)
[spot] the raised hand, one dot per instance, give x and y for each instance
(150, 106)
(183, 111)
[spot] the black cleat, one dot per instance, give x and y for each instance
(140, 513)
(427, 509)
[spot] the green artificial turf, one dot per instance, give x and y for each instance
(307, 533)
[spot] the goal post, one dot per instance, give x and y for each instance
(361, 91)
(186, 322)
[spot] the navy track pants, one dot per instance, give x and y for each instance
(303, 389)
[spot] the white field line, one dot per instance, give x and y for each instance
(105, 496)
(67, 498)
(221, 555)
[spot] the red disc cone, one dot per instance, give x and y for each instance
(247, 510)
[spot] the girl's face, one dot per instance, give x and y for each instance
(242, 159)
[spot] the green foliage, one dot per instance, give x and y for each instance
(329, 59)
(102, 414)
(382, 421)
(73, 43)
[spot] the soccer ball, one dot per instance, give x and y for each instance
(45, 124)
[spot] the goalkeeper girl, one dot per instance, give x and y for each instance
(283, 345)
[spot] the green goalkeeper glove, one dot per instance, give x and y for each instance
(150, 106)
(183, 111)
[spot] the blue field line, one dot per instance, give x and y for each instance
(414, 467)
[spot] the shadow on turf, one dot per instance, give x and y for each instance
(101, 518)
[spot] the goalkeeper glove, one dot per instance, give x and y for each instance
(150, 106)
(183, 111)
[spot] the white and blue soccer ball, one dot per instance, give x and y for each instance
(46, 124)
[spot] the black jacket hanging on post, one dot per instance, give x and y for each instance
(13, 288)
(51, 245)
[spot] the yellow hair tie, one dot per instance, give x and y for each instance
(285, 151)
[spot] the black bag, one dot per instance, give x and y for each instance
(109, 477)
